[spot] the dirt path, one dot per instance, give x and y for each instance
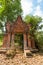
(19, 59)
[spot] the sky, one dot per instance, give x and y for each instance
(33, 7)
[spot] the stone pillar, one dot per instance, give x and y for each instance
(33, 43)
(29, 41)
(8, 43)
(12, 40)
(6, 40)
(25, 41)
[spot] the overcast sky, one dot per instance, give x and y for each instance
(34, 7)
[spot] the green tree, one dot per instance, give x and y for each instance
(9, 10)
(39, 39)
(12, 8)
(34, 21)
(2, 5)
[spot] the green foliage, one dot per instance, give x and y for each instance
(34, 21)
(2, 5)
(39, 38)
(18, 39)
(1, 39)
(41, 26)
(11, 10)
(1, 36)
(1, 25)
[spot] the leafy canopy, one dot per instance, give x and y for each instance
(11, 9)
(2, 5)
(33, 20)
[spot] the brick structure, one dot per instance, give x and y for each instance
(18, 27)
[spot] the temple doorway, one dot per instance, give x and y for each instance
(18, 40)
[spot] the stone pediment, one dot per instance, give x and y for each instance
(19, 25)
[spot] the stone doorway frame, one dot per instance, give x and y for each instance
(21, 40)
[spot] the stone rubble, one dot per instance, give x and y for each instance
(20, 59)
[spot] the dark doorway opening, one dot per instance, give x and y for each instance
(18, 40)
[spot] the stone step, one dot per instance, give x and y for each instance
(34, 50)
(2, 50)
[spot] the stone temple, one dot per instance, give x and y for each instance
(18, 26)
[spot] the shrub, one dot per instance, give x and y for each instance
(39, 39)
